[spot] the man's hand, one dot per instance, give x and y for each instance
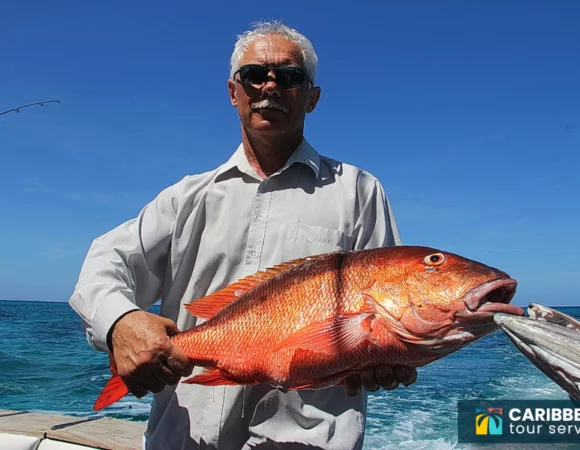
(384, 376)
(146, 358)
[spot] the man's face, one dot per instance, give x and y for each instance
(269, 109)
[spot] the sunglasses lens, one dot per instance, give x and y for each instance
(291, 77)
(286, 77)
(254, 75)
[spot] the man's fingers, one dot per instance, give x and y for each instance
(152, 383)
(369, 381)
(179, 363)
(136, 388)
(352, 385)
(386, 377)
(170, 326)
(405, 375)
(146, 358)
(166, 375)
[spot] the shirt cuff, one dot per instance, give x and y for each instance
(111, 308)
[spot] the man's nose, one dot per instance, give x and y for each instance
(271, 85)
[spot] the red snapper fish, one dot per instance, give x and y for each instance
(310, 323)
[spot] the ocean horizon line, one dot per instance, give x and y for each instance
(32, 301)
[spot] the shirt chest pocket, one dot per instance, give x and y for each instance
(307, 240)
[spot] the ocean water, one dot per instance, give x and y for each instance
(47, 365)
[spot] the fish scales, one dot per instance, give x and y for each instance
(268, 314)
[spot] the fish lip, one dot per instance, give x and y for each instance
(500, 291)
(484, 302)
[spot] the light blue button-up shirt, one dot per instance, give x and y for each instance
(210, 230)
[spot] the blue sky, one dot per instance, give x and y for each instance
(468, 112)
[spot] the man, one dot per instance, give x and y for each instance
(276, 199)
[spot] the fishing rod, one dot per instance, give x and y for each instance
(26, 106)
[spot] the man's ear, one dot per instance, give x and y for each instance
(313, 97)
(232, 92)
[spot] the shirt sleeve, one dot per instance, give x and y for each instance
(376, 225)
(124, 269)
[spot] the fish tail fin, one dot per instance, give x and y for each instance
(114, 390)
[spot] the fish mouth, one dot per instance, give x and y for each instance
(482, 303)
(492, 297)
(475, 320)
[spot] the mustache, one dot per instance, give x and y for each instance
(269, 103)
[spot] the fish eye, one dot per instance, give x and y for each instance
(434, 259)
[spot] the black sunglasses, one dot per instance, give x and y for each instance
(287, 77)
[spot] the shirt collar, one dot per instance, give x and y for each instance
(304, 154)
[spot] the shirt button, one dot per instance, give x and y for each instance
(259, 219)
(253, 254)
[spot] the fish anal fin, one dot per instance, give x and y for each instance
(211, 377)
(332, 336)
(206, 307)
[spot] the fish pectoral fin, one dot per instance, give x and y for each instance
(211, 377)
(332, 336)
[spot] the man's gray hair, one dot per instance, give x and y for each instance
(262, 29)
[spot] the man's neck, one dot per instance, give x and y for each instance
(267, 156)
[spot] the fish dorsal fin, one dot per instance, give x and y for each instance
(206, 307)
